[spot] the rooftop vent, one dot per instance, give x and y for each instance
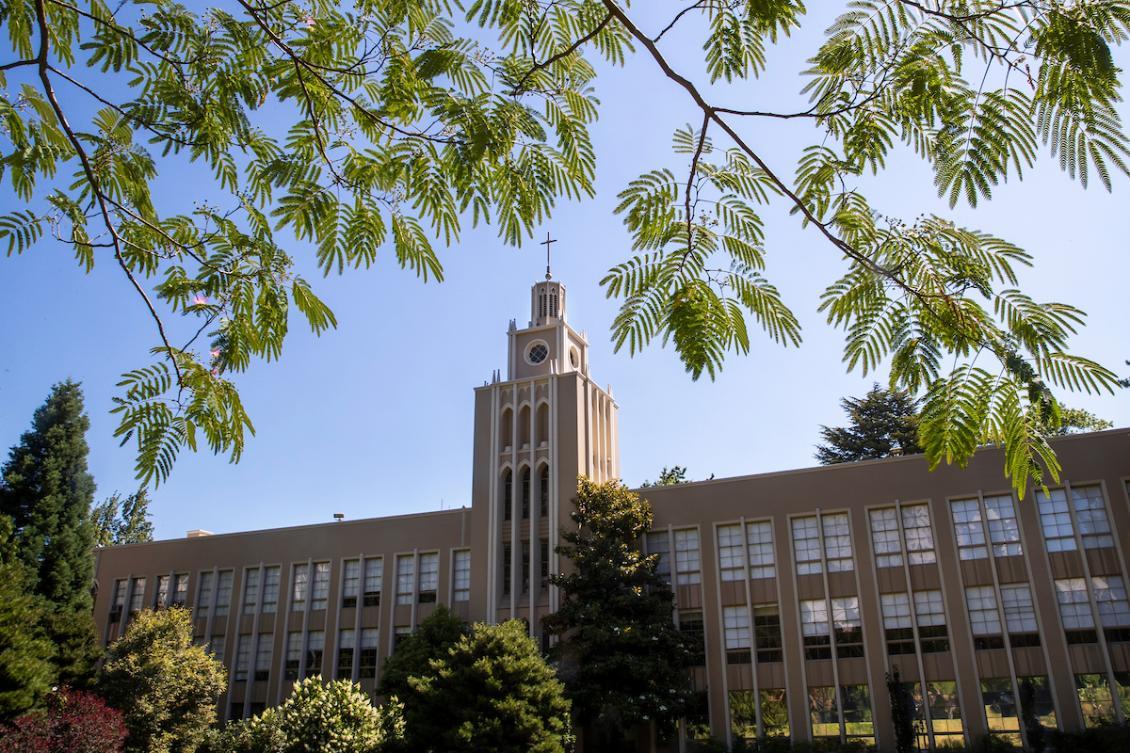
(196, 533)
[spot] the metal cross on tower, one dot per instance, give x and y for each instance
(546, 242)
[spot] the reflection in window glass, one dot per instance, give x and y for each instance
(774, 713)
(858, 723)
(767, 632)
(1074, 608)
(945, 713)
(814, 627)
(1090, 514)
(743, 715)
(1095, 700)
(1123, 681)
(885, 538)
(1036, 696)
(823, 712)
(1001, 708)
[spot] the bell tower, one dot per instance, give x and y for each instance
(536, 430)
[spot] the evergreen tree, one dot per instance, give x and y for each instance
(902, 712)
(880, 422)
(491, 691)
(47, 492)
(412, 659)
(166, 686)
(623, 661)
(120, 520)
(676, 474)
(26, 670)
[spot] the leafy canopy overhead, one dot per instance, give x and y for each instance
(391, 124)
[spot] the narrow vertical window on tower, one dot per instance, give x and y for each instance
(507, 495)
(543, 490)
(525, 492)
(507, 568)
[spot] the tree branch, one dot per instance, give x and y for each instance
(96, 191)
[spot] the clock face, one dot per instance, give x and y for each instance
(537, 353)
(574, 359)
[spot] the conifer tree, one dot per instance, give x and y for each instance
(26, 670)
(491, 691)
(46, 491)
(623, 661)
(879, 423)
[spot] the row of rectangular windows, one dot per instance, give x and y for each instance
(356, 573)
(846, 712)
(824, 541)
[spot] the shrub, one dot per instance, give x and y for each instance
(335, 717)
(165, 686)
(74, 722)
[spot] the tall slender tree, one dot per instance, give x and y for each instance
(623, 661)
(46, 491)
(26, 671)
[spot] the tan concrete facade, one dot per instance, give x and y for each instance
(805, 586)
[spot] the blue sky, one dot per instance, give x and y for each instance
(375, 417)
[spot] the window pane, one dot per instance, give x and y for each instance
(983, 616)
(1090, 514)
(759, 540)
(731, 555)
(967, 528)
(1019, 614)
(735, 621)
(856, 701)
(1074, 608)
(896, 611)
(806, 543)
(1001, 708)
(405, 578)
(429, 576)
(461, 576)
(743, 715)
(687, 563)
(823, 712)
(774, 713)
(837, 542)
(1036, 696)
(1055, 520)
(271, 589)
(321, 590)
(919, 535)
(298, 592)
(885, 538)
(1093, 692)
(1110, 598)
(1004, 532)
(945, 712)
